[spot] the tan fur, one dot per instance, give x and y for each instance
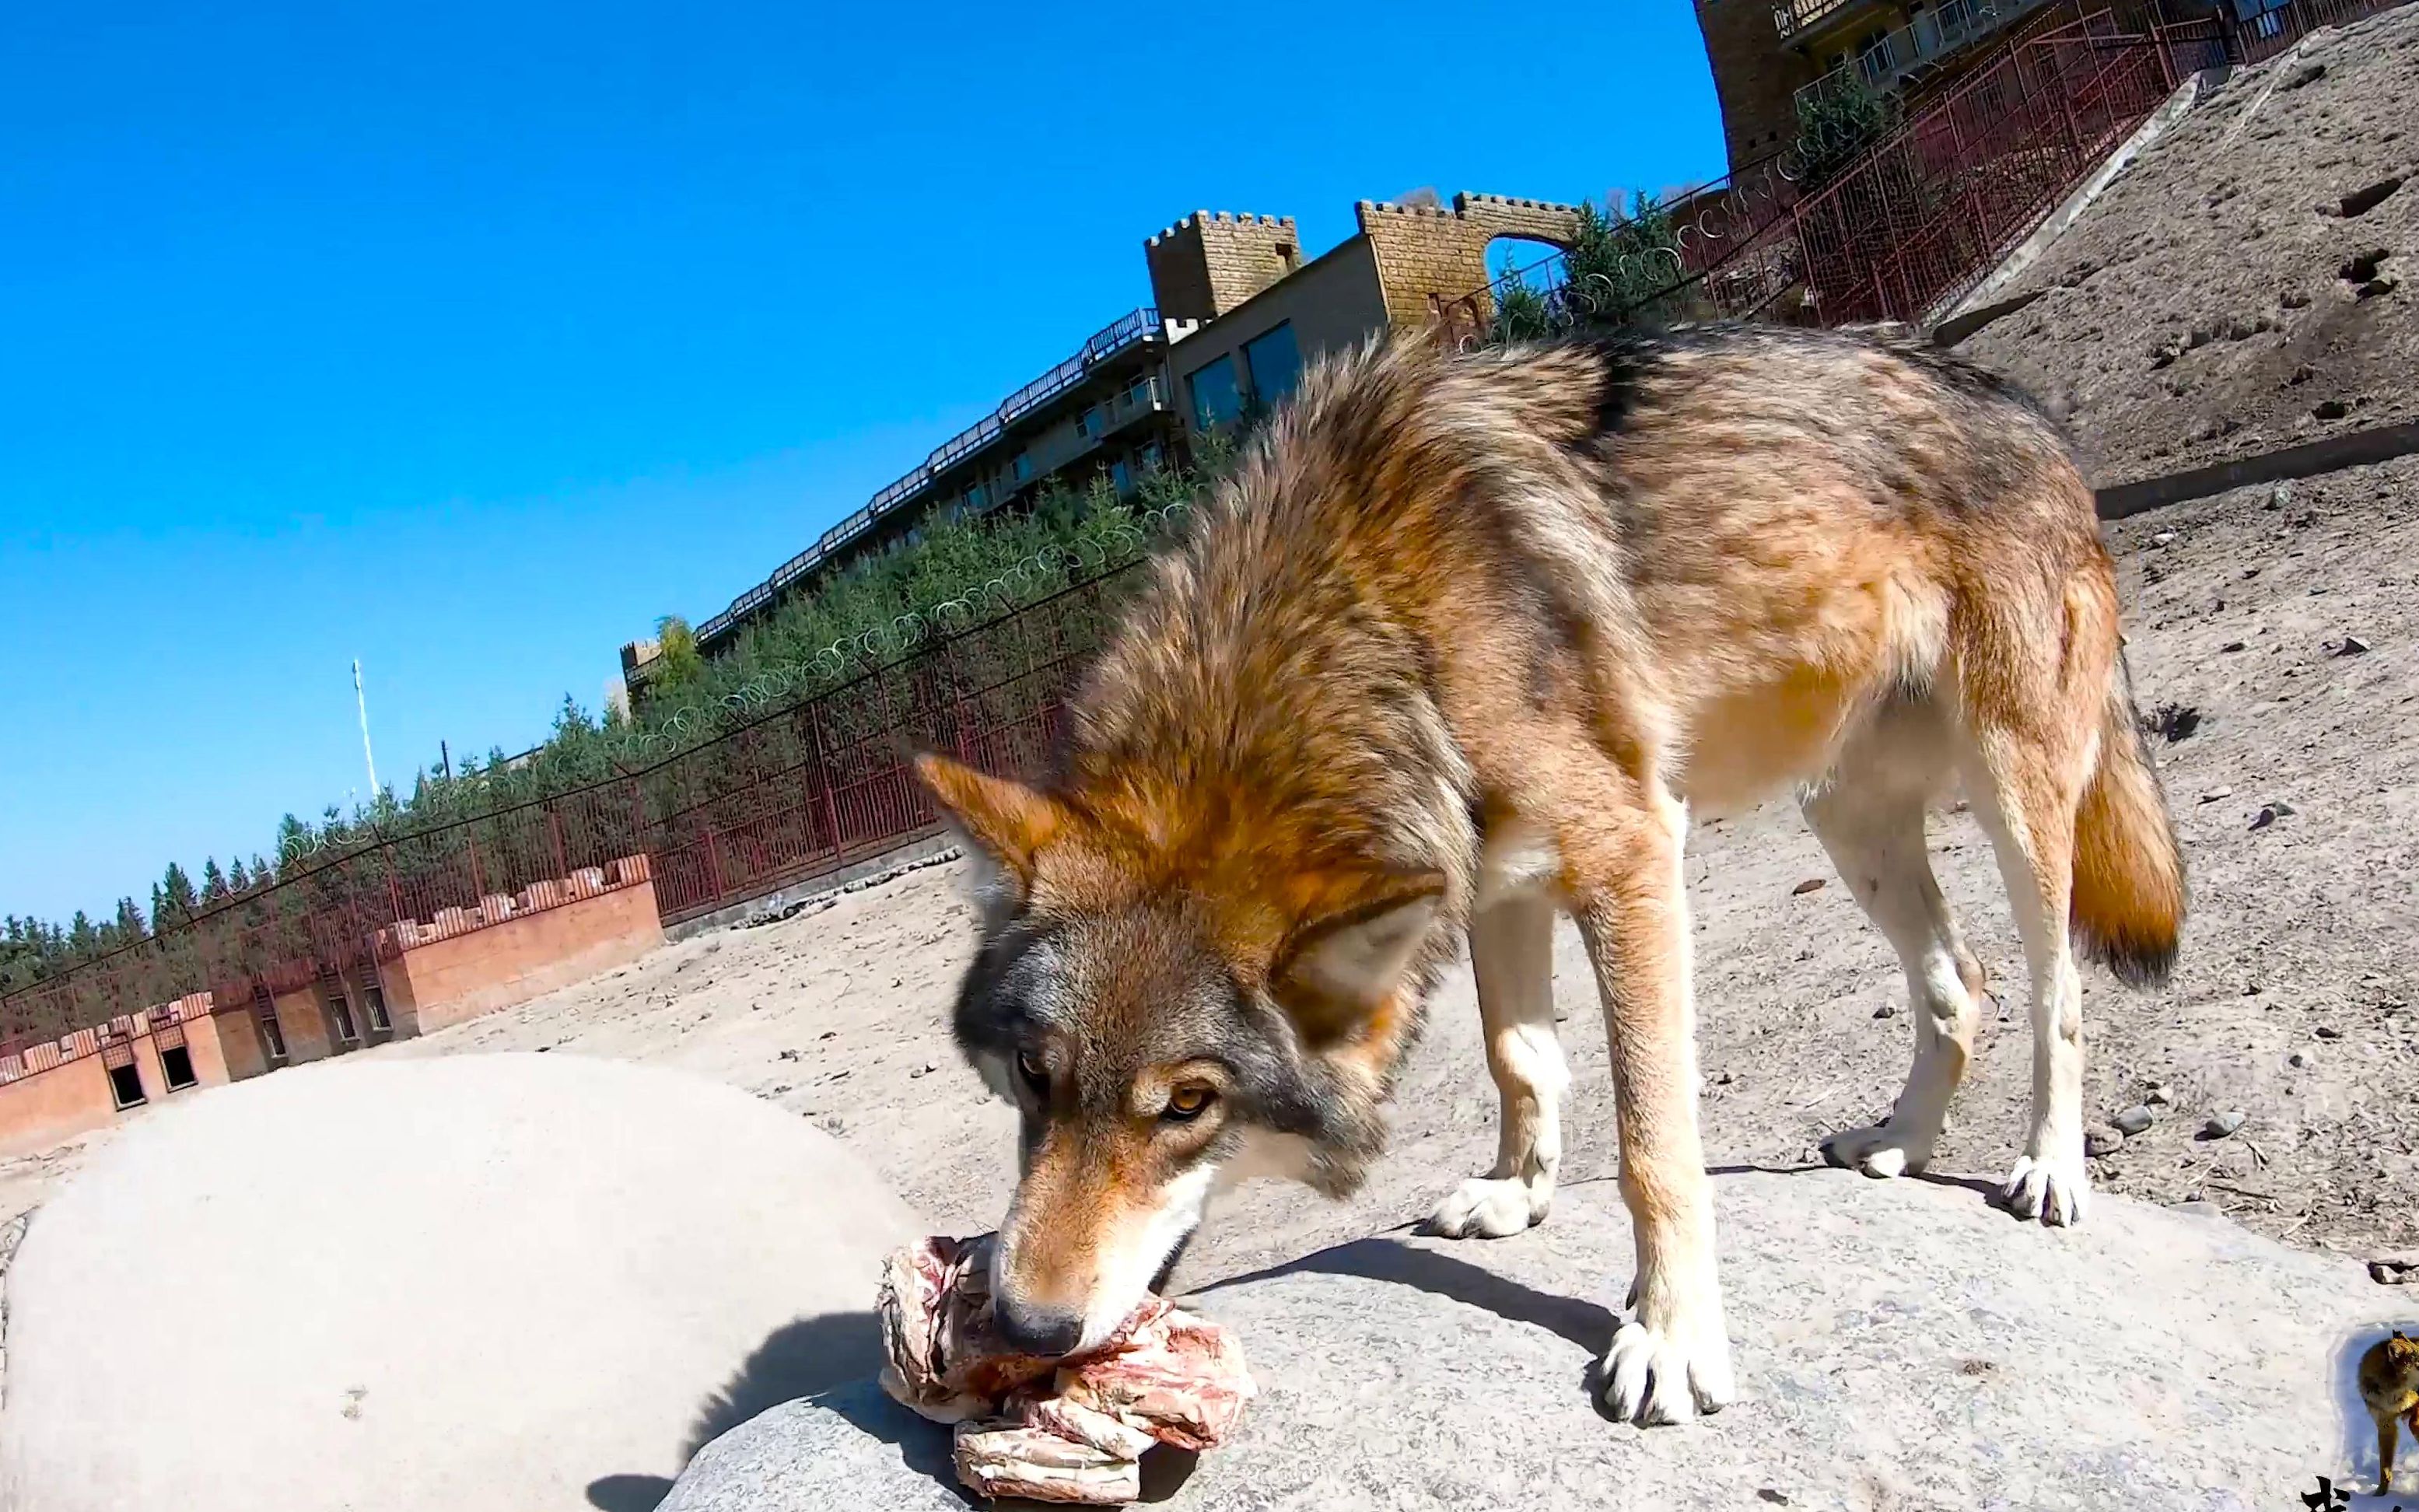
(1539, 606)
(2389, 1386)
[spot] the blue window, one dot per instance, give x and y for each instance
(1216, 398)
(1275, 364)
(1021, 466)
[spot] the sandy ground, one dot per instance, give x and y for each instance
(2249, 282)
(2294, 1003)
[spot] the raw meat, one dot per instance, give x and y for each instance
(1052, 1431)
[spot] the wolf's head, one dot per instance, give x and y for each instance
(1161, 1032)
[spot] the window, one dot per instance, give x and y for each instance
(126, 1085)
(1138, 393)
(1120, 477)
(273, 1034)
(1216, 399)
(1020, 467)
(978, 499)
(1275, 364)
(176, 1063)
(341, 1012)
(374, 1001)
(1088, 422)
(1151, 457)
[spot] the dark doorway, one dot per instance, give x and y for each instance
(126, 1085)
(176, 1062)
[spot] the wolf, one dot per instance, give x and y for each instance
(1464, 640)
(2389, 1387)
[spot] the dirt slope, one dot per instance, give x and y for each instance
(2253, 280)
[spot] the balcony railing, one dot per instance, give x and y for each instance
(1933, 35)
(1133, 327)
(1793, 18)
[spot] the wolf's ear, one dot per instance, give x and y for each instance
(1360, 932)
(1005, 822)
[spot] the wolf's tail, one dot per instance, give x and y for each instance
(2129, 877)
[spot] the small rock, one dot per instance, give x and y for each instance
(2134, 1119)
(2215, 794)
(2231, 646)
(895, 981)
(2159, 1097)
(2266, 816)
(1810, 884)
(827, 1034)
(789, 1055)
(2298, 1060)
(2221, 1125)
(1770, 1495)
(2164, 538)
(2100, 1140)
(2284, 810)
(2175, 721)
(1887, 1010)
(2396, 1270)
(2353, 646)
(2328, 1031)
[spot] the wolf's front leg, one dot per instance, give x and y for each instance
(1511, 955)
(1671, 1359)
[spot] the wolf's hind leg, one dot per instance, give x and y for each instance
(1511, 953)
(1870, 822)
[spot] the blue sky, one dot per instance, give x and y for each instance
(467, 343)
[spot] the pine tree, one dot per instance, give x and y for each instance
(214, 882)
(175, 894)
(129, 925)
(239, 880)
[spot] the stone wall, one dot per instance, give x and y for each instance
(1205, 265)
(1431, 255)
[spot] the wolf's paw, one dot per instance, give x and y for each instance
(1487, 1208)
(2056, 1191)
(1879, 1151)
(1670, 1372)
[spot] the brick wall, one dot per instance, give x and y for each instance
(1205, 265)
(449, 978)
(1432, 254)
(1757, 75)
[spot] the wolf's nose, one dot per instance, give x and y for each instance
(1044, 1330)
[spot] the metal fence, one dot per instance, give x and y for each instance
(1920, 217)
(793, 794)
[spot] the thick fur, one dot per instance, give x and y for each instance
(2389, 1387)
(1467, 639)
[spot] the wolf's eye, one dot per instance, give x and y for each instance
(1036, 1074)
(1188, 1103)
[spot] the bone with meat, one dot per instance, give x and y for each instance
(1053, 1430)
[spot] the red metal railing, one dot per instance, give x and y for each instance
(1922, 214)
